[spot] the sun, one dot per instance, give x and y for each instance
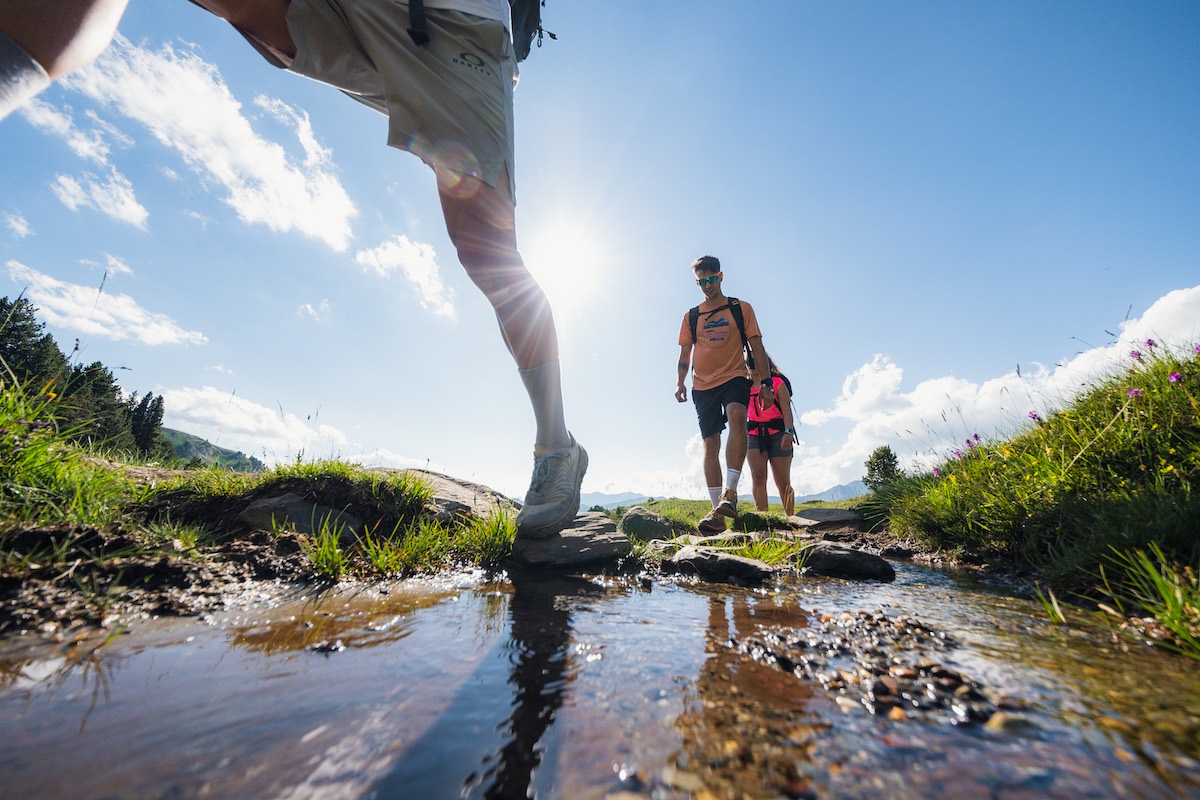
(568, 261)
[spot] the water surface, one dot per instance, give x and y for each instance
(579, 687)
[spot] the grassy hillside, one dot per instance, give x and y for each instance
(195, 451)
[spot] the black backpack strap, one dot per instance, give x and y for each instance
(735, 308)
(693, 319)
(416, 18)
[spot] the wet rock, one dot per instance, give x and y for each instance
(715, 565)
(1008, 723)
(454, 498)
(834, 560)
(726, 539)
(878, 663)
(642, 525)
(591, 540)
(659, 547)
(813, 517)
(293, 512)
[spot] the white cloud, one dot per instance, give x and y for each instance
(18, 225)
(88, 145)
(116, 266)
(183, 101)
(229, 421)
(419, 265)
(113, 197)
(91, 311)
(319, 312)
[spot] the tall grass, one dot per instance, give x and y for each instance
(43, 478)
(1113, 472)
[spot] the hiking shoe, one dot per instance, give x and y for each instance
(553, 497)
(728, 505)
(712, 523)
(789, 501)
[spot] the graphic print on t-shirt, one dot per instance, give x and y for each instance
(716, 330)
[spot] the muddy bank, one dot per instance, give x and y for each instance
(60, 578)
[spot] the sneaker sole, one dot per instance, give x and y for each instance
(572, 508)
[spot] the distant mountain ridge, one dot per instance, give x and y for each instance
(189, 448)
(843, 491)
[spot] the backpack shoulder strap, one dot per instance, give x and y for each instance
(693, 319)
(735, 308)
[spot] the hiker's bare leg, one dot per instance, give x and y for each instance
(481, 221)
(781, 471)
(266, 20)
(63, 35)
(758, 477)
(41, 40)
(712, 461)
(739, 441)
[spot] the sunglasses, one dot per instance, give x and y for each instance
(702, 282)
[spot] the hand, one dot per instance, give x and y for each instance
(681, 393)
(766, 397)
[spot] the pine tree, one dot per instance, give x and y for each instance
(883, 468)
(30, 356)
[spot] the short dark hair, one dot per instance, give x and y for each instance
(706, 264)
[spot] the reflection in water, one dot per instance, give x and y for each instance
(537, 654)
(748, 727)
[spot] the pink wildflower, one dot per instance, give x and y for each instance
(1134, 393)
(1175, 377)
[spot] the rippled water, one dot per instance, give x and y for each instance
(576, 687)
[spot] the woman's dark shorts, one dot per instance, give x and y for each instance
(772, 445)
(711, 403)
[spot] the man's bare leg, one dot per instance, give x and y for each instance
(41, 41)
(481, 221)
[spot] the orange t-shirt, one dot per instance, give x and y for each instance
(717, 355)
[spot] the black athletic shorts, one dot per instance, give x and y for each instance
(711, 404)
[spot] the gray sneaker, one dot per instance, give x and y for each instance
(553, 497)
(728, 505)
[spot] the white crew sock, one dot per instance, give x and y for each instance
(731, 478)
(544, 385)
(714, 494)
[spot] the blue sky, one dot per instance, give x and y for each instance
(918, 199)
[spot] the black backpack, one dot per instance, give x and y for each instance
(735, 308)
(526, 24)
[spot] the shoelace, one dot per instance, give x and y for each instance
(541, 469)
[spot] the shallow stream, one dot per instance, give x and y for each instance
(578, 687)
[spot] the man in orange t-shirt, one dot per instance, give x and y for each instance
(721, 384)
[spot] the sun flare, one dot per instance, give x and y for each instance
(568, 262)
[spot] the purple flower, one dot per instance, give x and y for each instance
(1175, 377)
(1198, 348)
(937, 473)
(1033, 415)
(1136, 355)
(969, 444)
(1151, 344)
(958, 453)
(1134, 393)
(976, 437)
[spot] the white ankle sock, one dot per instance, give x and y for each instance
(544, 385)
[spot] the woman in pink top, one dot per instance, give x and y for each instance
(772, 435)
